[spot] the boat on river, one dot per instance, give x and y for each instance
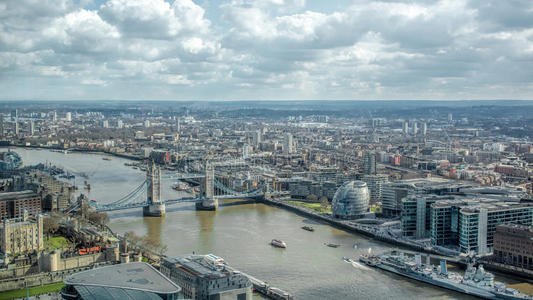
(332, 245)
(308, 228)
(278, 243)
(475, 281)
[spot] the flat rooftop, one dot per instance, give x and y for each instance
(17, 195)
(138, 276)
(200, 266)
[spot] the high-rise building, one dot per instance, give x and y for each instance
(375, 185)
(415, 128)
(120, 124)
(256, 138)
(146, 123)
(14, 115)
(450, 117)
(405, 127)
(369, 162)
(54, 116)
(424, 129)
(17, 128)
(105, 124)
(1, 124)
(32, 127)
(245, 151)
(68, 117)
(288, 143)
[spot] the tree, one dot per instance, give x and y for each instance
(324, 203)
(50, 225)
(312, 198)
(100, 218)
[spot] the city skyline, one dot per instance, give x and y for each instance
(265, 50)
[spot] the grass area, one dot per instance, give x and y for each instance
(55, 242)
(375, 208)
(34, 291)
(312, 205)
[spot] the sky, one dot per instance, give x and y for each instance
(266, 49)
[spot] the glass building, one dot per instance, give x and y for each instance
(351, 200)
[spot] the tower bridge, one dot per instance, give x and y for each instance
(148, 194)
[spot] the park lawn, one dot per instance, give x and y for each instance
(312, 205)
(55, 242)
(34, 291)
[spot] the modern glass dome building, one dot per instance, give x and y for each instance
(350, 200)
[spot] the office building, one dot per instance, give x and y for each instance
(120, 124)
(136, 280)
(469, 224)
(513, 245)
(13, 204)
(394, 192)
(1, 124)
(147, 123)
(416, 212)
(369, 162)
(288, 143)
(17, 129)
(351, 200)
(68, 117)
(375, 186)
(415, 128)
(424, 129)
(405, 128)
(54, 116)
(21, 235)
(206, 277)
(450, 117)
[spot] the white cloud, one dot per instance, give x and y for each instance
(265, 49)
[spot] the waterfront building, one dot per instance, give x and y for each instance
(351, 200)
(469, 224)
(136, 280)
(206, 277)
(21, 235)
(416, 211)
(32, 128)
(13, 204)
(513, 245)
(394, 192)
(369, 162)
(17, 128)
(375, 185)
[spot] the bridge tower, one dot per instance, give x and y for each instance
(208, 200)
(156, 207)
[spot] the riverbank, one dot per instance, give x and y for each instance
(375, 234)
(97, 151)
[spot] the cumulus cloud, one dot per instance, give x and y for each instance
(266, 49)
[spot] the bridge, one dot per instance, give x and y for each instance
(147, 195)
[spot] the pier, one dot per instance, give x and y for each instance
(265, 289)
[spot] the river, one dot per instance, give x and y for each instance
(240, 234)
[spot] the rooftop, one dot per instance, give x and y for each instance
(17, 195)
(137, 276)
(201, 265)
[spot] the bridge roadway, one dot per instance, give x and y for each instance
(168, 202)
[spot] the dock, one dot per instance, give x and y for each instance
(265, 289)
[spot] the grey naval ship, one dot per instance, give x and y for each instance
(476, 281)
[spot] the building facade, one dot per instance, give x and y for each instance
(22, 235)
(206, 277)
(375, 186)
(13, 204)
(513, 245)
